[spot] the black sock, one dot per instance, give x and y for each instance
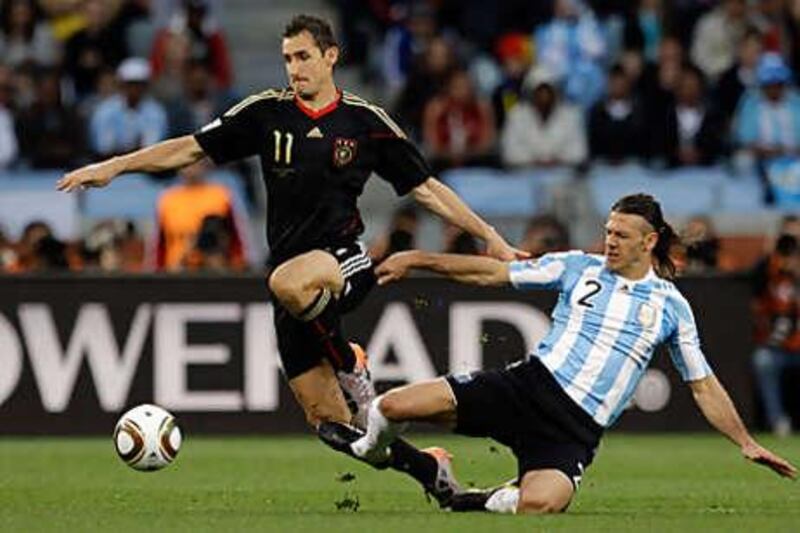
(322, 319)
(410, 460)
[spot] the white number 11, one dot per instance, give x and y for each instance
(287, 150)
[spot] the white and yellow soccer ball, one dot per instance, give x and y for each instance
(147, 437)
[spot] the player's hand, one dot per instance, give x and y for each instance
(96, 175)
(760, 455)
(500, 249)
(395, 267)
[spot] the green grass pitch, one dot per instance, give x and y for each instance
(637, 483)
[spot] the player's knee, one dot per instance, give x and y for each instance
(538, 503)
(393, 406)
(294, 283)
(283, 284)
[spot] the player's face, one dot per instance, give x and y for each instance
(307, 66)
(629, 243)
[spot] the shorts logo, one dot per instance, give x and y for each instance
(463, 379)
(344, 151)
(576, 480)
(646, 315)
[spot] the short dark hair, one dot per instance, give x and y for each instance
(319, 29)
(649, 209)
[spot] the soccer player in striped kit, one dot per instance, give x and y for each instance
(551, 409)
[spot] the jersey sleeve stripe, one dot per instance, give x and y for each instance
(385, 118)
(265, 95)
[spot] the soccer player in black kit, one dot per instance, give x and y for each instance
(318, 146)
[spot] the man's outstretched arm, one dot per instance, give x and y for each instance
(471, 269)
(166, 155)
(440, 199)
(717, 407)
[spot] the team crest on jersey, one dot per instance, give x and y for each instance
(344, 151)
(646, 315)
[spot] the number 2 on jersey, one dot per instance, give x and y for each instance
(287, 152)
(595, 287)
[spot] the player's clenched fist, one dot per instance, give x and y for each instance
(96, 175)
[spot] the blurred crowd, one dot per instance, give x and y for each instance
(569, 82)
(512, 84)
(86, 79)
(82, 80)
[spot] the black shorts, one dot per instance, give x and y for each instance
(298, 350)
(524, 408)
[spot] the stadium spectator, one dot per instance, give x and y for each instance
(458, 126)
(207, 42)
(65, 17)
(169, 85)
(25, 37)
(573, 47)
(659, 80)
(412, 32)
(776, 314)
(39, 250)
(9, 262)
(427, 77)
(542, 130)
(113, 246)
(9, 146)
(360, 22)
(692, 132)
(480, 22)
(134, 21)
(684, 15)
(51, 133)
(211, 249)
(130, 119)
(401, 234)
(106, 87)
(514, 51)
(617, 128)
(717, 36)
(769, 18)
(199, 103)
(545, 234)
(740, 77)
(180, 214)
(701, 246)
(633, 63)
(644, 27)
(96, 47)
(767, 121)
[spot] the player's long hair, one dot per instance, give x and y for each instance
(648, 208)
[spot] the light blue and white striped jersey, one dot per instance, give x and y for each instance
(606, 327)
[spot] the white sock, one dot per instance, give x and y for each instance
(503, 501)
(380, 433)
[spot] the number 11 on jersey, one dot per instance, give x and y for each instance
(287, 150)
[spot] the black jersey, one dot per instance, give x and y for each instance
(315, 163)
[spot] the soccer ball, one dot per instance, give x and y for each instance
(147, 437)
